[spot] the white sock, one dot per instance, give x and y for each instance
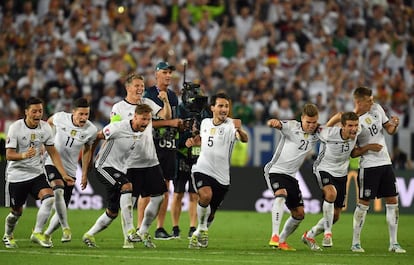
(10, 223)
(202, 217)
(392, 214)
(43, 214)
(328, 215)
(289, 227)
(126, 212)
(60, 207)
(133, 200)
(277, 213)
(358, 222)
(53, 225)
(317, 229)
(150, 213)
(101, 223)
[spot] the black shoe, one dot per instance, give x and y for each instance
(161, 234)
(191, 231)
(176, 232)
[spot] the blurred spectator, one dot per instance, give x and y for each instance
(400, 159)
(24, 93)
(34, 79)
(105, 104)
(243, 110)
(53, 99)
(291, 50)
(9, 109)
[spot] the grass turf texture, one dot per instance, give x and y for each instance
(234, 238)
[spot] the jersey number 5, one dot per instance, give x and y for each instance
(210, 141)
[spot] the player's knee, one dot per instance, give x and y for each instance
(127, 187)
(58, 191)
(48, 199)
(298, 213)
(112, 213)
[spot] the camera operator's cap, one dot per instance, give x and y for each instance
(164, 66)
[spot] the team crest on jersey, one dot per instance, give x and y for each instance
(212, 131)
(73, 133)
(368, 120)
(306, 135)
(117, 175)
(32, 137)
(367, 193)
(221, 131)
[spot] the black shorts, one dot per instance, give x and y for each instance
(18, 191)
(167, 159)
(282, 181)
(219, 190)
(53, 174)
(183, 177)
(147, 181)
(377, 182)
(324, 178)
(113, 181)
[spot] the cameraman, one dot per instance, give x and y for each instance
(188, 152)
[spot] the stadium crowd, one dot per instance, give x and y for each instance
(270, 56)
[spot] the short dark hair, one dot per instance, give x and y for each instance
(142, 108)
(81, 103)
(362, 91)
(219, 95)
(349, 116)
(32, 101)
(310, 110)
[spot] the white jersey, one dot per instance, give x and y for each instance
(334, 152)
(126, 110)
(21, 137)
(145, 155)
(372, 131)
(120, 142)
(216, 147)
(69, 140)
(293, 147)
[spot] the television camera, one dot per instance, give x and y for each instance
(194, 106)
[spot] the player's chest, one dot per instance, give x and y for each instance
(72, 134)
(33, 138)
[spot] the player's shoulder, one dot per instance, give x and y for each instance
(43, 125)
(90, 126)
(17, 123)
(114, 127)
(328, 129)
(120, 104)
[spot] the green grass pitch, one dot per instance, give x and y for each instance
(234, 238)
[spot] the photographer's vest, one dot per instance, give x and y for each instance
(165, 138)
